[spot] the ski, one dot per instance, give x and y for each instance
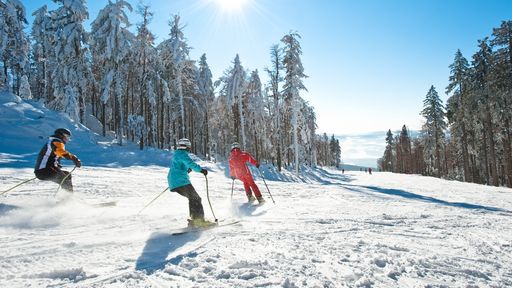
(186, 230)
(104, 204)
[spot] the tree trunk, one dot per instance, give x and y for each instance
(465, 154)
(492, 149)
(104, 119)
(485, 156)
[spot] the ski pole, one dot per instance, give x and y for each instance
(232, 187)
(208, 197)
(62, 181)
(26, 181)
(261, 174)
(152, 200)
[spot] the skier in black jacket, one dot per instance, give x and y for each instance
(48, 161)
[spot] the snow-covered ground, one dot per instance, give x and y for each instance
(347, 230)
(326, 229)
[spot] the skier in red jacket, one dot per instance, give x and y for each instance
(238, 170)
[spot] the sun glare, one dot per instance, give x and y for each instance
(231, 5)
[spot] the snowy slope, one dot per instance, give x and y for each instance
(26, 124)
(326, 229)
(351, 230)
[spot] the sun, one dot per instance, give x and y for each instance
(231, 5)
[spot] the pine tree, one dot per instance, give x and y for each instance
(255, 114)
(72, 77)
(501, 43)
(235, 86)
(275, 78)
(25, 92)
(434, 127)
(205, 86)
(42, 53)
(404, 150)
(457, 107)
(110, 44)
(308, 127)
(388, 159)
(335, 150)
(14, 44)
(146, 73)
(482, 63)
(293, 84)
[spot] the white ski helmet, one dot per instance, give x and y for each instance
(235, 145)
(184, 143)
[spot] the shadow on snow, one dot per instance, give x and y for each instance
(5, 208)
(159, 246)
(409, 195)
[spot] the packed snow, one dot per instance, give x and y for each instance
(325, 229)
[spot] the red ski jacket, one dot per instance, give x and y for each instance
(237, 164)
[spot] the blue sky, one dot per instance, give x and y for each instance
(370, 62)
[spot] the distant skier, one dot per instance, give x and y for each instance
(238, 170)
(179, 181)
(370, 171)
(48, 161)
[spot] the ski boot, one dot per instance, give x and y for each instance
(250, 198)
(200, 223)
(260, 200)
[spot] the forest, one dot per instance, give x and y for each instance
(469, 137)
(153, 93)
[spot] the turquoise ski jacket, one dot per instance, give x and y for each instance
(178, 171)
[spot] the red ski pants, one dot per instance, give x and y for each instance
(248, 185)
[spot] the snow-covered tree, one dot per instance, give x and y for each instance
(293, 83)
(256, 116)
(14, 44)
(482, 65)
(146, 74)
(25, 92)
(111, 43)
(457, 106)
(174, 53)
(137, 126)
(501, 43)
(42, 53)
(3, 45)
(235, 84)
(404, 151)
(433, 128)
(73, 76)
(275, 109)
(388, 159)
(205, 87)
(335, 149)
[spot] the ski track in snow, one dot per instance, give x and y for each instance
(336, 230)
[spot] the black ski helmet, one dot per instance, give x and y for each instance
(62, 132)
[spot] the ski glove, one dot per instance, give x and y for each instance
(204, 171)
(233, 177)
(189, 170)
(77, 161)
(258, 165)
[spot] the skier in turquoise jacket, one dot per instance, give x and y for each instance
(179, 181)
